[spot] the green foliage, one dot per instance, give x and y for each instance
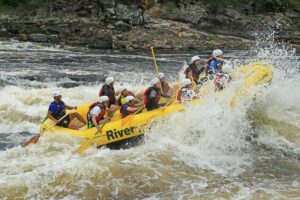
(147, 39)
(212, 37)
(17, 6)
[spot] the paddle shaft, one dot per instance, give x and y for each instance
(87, 143)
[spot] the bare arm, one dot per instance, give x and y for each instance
(70, 107)
(49, 114)
(95, 123)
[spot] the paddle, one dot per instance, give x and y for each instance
(163, 108)
(128, 118)
(87, 143)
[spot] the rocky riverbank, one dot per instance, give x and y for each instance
(124, 25)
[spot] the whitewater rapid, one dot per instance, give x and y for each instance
(207, 152)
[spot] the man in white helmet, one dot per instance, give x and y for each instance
(129, 107)
(215, 62)
(152, 95)
(166, 89)
(186, 93)
(194, 70)
(108, 90)
(96, 113)
(57, 112)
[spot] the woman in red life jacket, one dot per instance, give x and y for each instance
(194, 70)
(186, 93)
(153, 94)
(95, 115)
(128, 108)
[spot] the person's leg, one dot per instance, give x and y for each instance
(33, 140)
(79, 117)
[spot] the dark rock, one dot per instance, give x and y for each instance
(100, 42)
(110, 26)
(56, 29)
(22, 37)
(4, 33)
(122, 26)
(38, 37)
(79, 28)
(122, 12)
(53, 38)
(85, 78)
(13, 28)
(136, 17)
(106, 4)
(69, 85)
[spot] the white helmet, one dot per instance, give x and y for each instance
(161, 75)
(194, 58)
(121, 88)
(217, 53)
(103, 99)
(154, 81)
(185, 82)
(109, 80)
(56, 93)
(129, 98)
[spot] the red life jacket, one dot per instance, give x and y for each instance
(108, 91)
(148, 91)
(101, 114)
(195, 70)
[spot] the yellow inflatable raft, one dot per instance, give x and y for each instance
(256, 73)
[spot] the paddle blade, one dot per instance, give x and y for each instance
(84, 146)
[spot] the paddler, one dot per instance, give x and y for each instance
(96, 113)
(152, 95)
(57, 112)
(215, 63)
(129, 107)
(215, 66)
(166, 89)
(186, 93)
(194, 70)
(124, 92)
(108, 90)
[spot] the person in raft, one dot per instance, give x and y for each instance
(194, 70)
(186, 93)
(95, 116)
(57, 112)
(129, 108)
(165, 87)
(108, 90)
(124, 93)
(152, 95)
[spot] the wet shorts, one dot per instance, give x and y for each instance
(64, 122)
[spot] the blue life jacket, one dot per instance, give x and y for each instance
(213, 65)
(58, 109)
(124, 111)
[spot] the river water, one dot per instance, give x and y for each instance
(207, 152)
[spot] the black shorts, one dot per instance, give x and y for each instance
(64, 122)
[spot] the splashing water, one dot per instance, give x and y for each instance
(207, 152)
